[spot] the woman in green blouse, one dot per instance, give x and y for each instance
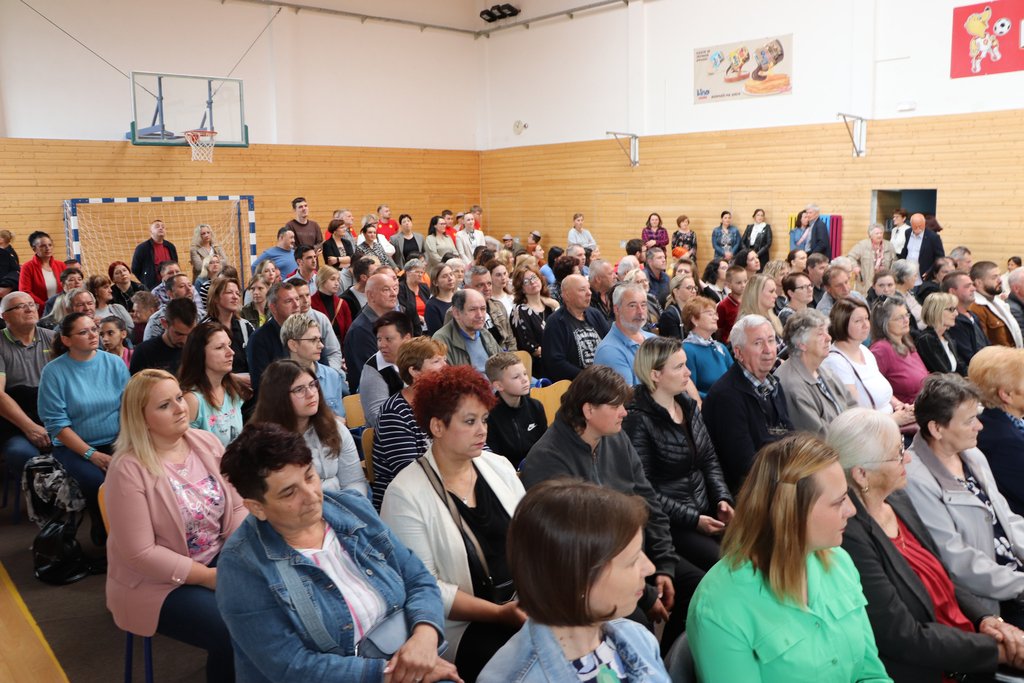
(785, 602)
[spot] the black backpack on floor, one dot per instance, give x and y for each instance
(52, 497)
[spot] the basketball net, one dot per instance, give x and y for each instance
(202, 143)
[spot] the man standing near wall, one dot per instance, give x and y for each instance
(449, 224)
(386, 225)
(478, 216)
(819, 243)
(922, 246)
(153, 251)
(283, 255)
(306, 231)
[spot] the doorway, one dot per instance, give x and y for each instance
(885, 202)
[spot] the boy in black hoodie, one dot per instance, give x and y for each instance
(518, 421)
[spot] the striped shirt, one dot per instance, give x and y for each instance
(397, 441)
(364, 602)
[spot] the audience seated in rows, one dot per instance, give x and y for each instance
(967, 332)
(937, 352)
(163, 351)
(465, 335)
(325, 300)
(361, 342)
(530, 312)
(893, 348)
(266, 346)
(413, 294)
(998, 374)
(572, 333)
(706, 359)
(618, 348)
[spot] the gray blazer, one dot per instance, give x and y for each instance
(397, 241)
(961, 526)
(809, 408)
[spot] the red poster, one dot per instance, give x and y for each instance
(987, 38)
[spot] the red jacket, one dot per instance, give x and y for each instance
(31, 280)
(341, 312)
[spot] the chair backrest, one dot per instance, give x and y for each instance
(102, 499)
(368, 453)
(679, 662)
(527, 361)
(354, 416)
(551, 398)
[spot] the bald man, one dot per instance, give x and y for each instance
(572, 333)
(360, 340)
(922, 246)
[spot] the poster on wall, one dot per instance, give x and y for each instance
(753, 68)
(987, 39)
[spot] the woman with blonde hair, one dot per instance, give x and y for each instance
(170, 512)
(204, 243)
(759, 299)
(777, 270)
(326, 300)
(209, 272)
(784, 599)
(681, 288)
(938, 353)
(998, 372)
(924, 623)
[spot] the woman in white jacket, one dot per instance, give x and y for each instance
(456, 484)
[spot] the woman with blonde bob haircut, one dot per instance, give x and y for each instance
(938, 353)
(575, 553)
(998, 372)
(784, 599)
(162, 573)
(924, 623)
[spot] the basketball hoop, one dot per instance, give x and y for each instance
(202, 143)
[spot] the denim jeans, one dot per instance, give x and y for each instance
(190, 615)
(17, 451)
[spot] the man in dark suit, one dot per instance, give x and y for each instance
(922, 245)
(151, 253)
(819, 243)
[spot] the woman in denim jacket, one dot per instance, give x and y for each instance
(354, 570)
(575, 553)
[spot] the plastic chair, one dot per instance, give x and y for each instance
(147, 642)
(551, 398)
(367, 440)
(679, 662)
(17, 494)
(527, 361)
(354, 411)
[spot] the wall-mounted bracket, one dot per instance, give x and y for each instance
(634, 146)
(858, 132)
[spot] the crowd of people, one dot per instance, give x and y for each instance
(809, 464)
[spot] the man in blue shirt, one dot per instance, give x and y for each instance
(618, 349)
(283, 255)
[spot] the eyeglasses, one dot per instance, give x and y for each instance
(315, 340)
(305, 390)
(900, 457)
(951, 309)
(807, 286)
(21, 307)
(900, 318)
(692, 288)
(530, 280)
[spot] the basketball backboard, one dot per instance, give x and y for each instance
(164, 106)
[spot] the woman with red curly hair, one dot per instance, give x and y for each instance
(453, 507)
(124, 287)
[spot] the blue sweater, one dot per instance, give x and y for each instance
(83, 395)
(284, 259)
(706, 364)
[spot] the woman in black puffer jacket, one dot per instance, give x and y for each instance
(668, 432)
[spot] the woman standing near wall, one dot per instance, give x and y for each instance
(654, 233)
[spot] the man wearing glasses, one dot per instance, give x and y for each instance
(24, 350)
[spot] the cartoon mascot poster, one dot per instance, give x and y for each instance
(987, 39)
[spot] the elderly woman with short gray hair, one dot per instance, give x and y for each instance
(904, 272)
(952, 487)
(814, 395)
(871, 255)
(924, 623)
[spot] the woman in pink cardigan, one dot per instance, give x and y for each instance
(170, 512)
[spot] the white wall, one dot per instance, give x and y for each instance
(312, 78)
(315, 78)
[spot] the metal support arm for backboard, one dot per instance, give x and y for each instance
(634, 146)
(157, 130)
(858, 133)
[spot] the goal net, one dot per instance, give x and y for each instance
(100, 231)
